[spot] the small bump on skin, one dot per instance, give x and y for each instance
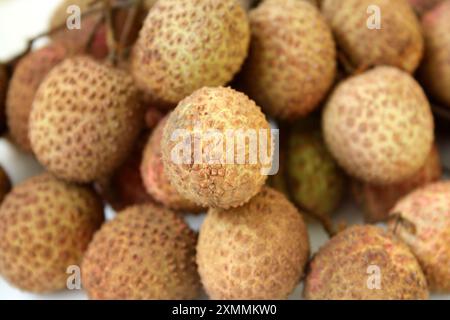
(257, 251)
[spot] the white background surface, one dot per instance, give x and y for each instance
(22, 19)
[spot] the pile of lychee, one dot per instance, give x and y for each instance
(101, 108)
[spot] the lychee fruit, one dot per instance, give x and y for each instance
(422, 221)
(364, 263)
(206, 154)
(185, 45)
(435, 69)
(4, 82)
(422, 6)
(379, 126)
(84, 119)
(145, 252)
(376, 32)
(45, 227)
(155, 180)
(292, 59)
(5, 184)
(377, 201)
(125, 187)
(257, 251)
(315, 181)
(28, 75)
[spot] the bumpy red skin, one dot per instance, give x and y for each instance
(377, 201)
(339, 270)
(424, 225)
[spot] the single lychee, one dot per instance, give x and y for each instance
(212, 147)
(435, 69)
(422, 6)
(185, 45)
(4, 82)
(422, 220)
(125, 187)
(377, 201)
(376, 32)
(45, 226)
(84, 119)
(155, 180)
(292, 60)
(379, 126)
(145, 252)
(315, 181)
(257, 251)
(5, 184)
(364, 263)
(28, 75)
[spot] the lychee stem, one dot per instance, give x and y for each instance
(110, 38)
(130, 20)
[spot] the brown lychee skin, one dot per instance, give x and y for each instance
(339, 270)
(145, 252)
(292, 59)
(377, 201)
(85, 119)
(257, 251)
(214, 185)
(398, 43)
(425, 226)
(155, 180)
(379, 126)
(45, 227)
(435, 69)
(28, 75)
(5, 184)
(185, 45)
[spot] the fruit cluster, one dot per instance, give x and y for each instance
(100, 108)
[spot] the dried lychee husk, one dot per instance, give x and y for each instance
(422, 221)
(397, 42)
(257, 251)
(145, 252)
(377, 201)
(27, 76)
(186, 45)
(379, 126)
(292, 59)
(215, 177)
(435, 69)
(85, 118)
(45, 227)
(348, 266)
(154, 177)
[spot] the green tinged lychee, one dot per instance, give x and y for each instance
(256, 251)
(145, 252)
(85, 119)
(364, 263)
(186, 45)
(45, 226)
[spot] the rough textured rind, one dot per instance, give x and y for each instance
(425, 227)
(257, 251)
(218, 184)
(84, 119)
(398, 43)
(28, 75)
(45, 226)
(315, 181)
(379, 126)
(292, 59)
(377, 201)
(145, 252)
(435, 69)
(340, 269)
(5, 184)
(185, 45)
(155, 180)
